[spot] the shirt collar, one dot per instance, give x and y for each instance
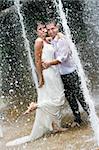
(55, 40)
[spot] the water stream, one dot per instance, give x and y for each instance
(93, 117)
(26, 43)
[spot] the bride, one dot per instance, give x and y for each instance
(51, 98)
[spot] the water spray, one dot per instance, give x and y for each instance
(94, 120)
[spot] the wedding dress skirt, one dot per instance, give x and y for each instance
(51, 100)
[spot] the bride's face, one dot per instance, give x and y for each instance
(41, 31)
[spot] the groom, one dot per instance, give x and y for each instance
(67, 68)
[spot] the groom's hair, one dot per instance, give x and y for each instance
(51, 21)
(55, 22)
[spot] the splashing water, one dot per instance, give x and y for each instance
(1, 132)
(93, 117)
(26, 43)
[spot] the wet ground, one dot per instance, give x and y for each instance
(77, 138)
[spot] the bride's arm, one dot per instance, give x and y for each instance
(38, 62)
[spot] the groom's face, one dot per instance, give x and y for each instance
(52, 29)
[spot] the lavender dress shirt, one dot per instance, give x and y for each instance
(63, 53)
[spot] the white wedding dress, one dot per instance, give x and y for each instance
(51, 100)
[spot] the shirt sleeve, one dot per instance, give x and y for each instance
(63, 50)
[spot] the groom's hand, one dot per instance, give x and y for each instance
(46, 65)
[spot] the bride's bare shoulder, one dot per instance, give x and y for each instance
(39, 40)
(38, 43)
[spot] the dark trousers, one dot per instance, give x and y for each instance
(73, 92)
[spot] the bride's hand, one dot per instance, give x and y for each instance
(31, 107)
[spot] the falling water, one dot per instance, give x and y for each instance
(0, 76)
(1, 132)
(26, 43)
(93, 117)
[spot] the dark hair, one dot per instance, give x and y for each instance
(39, 23)
(51, 21)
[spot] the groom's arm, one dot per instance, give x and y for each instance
(63, 52)
(50, 63)
(61, 55)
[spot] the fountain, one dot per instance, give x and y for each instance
(1, 131)
(26, 44)
(93, 117)
(21, 17)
